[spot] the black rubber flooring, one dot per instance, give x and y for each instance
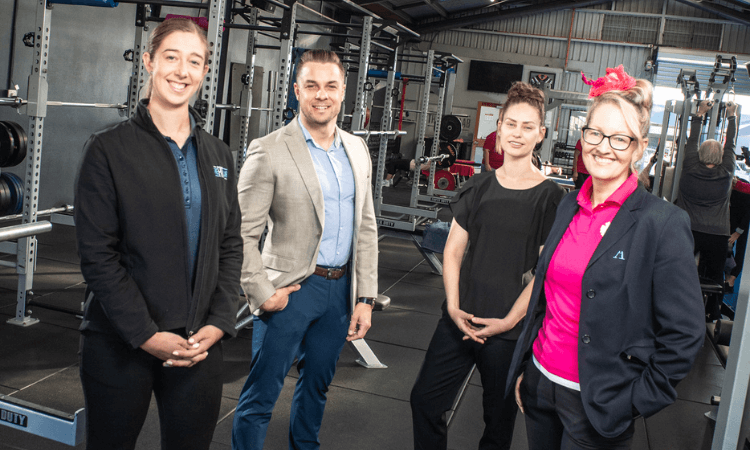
(367, 408)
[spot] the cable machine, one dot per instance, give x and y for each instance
(719, 84)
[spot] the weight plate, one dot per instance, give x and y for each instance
(5, 199)
(7, 144)
(444, 180)
(19, 194)
(450, 128)
(22, 142)
(446, 148)
(15, 184)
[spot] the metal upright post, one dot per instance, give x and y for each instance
(385, 125)
(422, 125)
(36, 109)
(284, 80)
(737, 373)
(669, 108)
(138, 77)
(347, 66)
(436, 135)
(684, 119)
(211, 83)
(360, 107)
(246, 96)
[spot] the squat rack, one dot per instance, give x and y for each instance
(407, 218)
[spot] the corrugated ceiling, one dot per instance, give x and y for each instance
(438, 15)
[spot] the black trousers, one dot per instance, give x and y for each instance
(713, 249)
(555, 418)
(117, 386)
(447, 363)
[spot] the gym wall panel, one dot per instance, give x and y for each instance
(736, 39)
(676, 8)
(640, 6)
(6, 20)
(588, 25)
(595, 58)
(85, 65)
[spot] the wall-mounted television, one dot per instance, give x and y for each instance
(493, 76)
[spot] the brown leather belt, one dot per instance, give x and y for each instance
(330, 274)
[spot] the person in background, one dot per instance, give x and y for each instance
(158, 229)
(502, 217)
(615, 315)
(705, 185)
(493, 152)
(739, 220)
(580, 173)
(313, 286)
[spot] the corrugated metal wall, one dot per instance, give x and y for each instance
(602, 56)
(607, 36)
(736, 39)
(546, 34)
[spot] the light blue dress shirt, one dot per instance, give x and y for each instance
(337, 183)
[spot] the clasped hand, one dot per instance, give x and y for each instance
(177, 351)
(476, 328)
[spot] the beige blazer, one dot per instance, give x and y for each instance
(278, 186)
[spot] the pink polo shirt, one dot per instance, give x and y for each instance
(556, 347)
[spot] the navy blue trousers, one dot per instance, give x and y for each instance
(555, 418)
(312, 328)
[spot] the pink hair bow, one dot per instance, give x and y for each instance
(615, 80)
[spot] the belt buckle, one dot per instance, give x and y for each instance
(329, 275)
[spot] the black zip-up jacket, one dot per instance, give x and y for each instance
(132, 234)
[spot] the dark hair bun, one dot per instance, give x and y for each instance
(522, 92)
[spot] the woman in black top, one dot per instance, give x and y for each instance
(503, 217)
(158, 228)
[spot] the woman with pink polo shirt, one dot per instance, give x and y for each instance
(615, 318)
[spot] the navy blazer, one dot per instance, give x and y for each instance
(642, 315)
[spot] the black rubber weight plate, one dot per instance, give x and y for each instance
(7, 144)
(450, 128)
(5, 199)
(22, 142)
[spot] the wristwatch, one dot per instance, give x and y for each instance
(367, 300)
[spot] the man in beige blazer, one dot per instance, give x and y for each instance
(313, 285)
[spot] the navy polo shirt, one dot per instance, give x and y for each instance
(187, 165)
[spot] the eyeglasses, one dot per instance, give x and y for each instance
(616, 141)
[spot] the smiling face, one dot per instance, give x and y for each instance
(177, 69)
(520, 130)
(602, 161)
(320, 91)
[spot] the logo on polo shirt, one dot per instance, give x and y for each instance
(620, 255)
(221, 172)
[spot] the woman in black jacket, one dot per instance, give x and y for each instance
(614, 319)
(157, 222)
